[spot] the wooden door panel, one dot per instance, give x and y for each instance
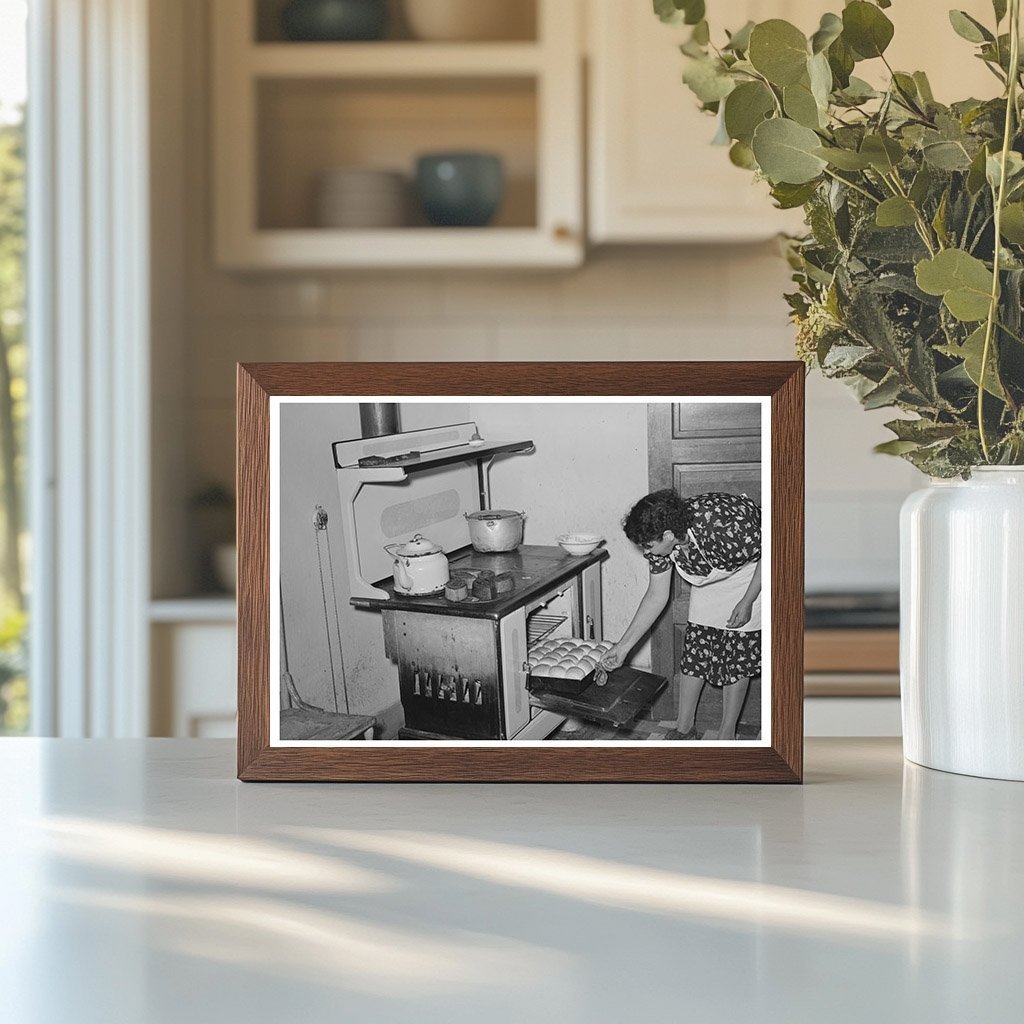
(716, 420)
(697, 449)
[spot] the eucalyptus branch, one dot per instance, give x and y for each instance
(771, 89)
(923, 227)
(981, 231)
(853, 185)
(1000, 199)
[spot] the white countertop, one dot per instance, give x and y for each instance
(143, 884)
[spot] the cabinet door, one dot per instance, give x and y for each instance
(698, 449)
(654, 175)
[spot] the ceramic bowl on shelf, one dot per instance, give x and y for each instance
(333, 21)
(361, 198)
(579, 543)
(460, 189)
(465, 21)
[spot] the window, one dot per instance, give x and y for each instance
(14, 546)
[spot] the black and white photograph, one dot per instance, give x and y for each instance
(472, 571)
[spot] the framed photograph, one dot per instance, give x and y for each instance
(518, 572)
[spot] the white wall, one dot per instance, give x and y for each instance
(314, 645)
(589, 468)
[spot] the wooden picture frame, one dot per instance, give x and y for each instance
(779, 386)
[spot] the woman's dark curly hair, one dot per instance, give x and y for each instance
(650, 517)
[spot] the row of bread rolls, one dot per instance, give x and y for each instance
(570, 658)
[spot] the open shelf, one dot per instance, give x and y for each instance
(393, 60)
(287, 114)
(308, 127)
(518, 23)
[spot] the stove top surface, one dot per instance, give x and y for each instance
(534, 567)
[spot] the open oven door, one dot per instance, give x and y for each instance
(620, 702)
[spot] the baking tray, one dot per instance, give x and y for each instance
(619, 702)
(559, 684)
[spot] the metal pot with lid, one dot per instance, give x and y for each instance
(420, 566)
(496, 529)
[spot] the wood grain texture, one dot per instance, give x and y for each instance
(783, 762)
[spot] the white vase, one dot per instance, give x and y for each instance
(962, 624)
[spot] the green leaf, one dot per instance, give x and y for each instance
(866, 29)
(789, 197)
(1012, 224)
(999, 6)
(830, 29)
(885, 394)
(946, 156)
(923, 431)
(701, 33)
(939, 220)
(895, 447)
(675, 12)
(739, 41)
(906, 89)
(976, 175)
(896, 212)
(971, 352)
(963, 281)
(745, 108)
(968, 28)
(844, 159)
(785, 152)
(708, 80)
(742, 155)
(858, 91)
(921, 186)
(994, 168)
(778, 50)
(820, 76)
(694, 11)
(924, 88)
(883, 153)
(842, 61)
(800, 105)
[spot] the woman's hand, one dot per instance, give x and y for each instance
(740, 614)
(613, 658)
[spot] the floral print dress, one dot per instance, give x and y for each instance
(718, 556)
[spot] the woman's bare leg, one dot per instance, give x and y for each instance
(690, 688)
(732, 705)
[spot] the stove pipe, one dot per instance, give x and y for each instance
(377, 419)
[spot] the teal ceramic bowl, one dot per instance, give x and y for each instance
(334, 21)
(461, 190)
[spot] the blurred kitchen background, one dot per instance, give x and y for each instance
(291, 217)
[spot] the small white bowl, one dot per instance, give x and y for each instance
(579, 543)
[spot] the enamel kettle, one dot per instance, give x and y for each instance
(420, 566)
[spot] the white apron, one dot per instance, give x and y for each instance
(714, 597)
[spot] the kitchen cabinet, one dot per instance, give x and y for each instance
(286, 113)
(653, 175)
(192, 654)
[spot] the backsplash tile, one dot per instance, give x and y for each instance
(719, 302)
